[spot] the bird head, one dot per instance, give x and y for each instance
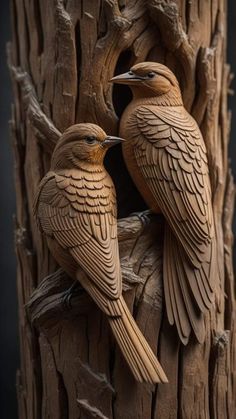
(82, 143)
(149, 79)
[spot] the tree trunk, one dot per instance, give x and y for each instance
(62, 55)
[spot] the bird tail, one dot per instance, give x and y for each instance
(188, 290)
(138, 354)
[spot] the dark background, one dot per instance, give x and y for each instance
(9, 356)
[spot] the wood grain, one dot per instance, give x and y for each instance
(67, 51)
(166, 157)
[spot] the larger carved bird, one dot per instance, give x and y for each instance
(166, 157)
(76, 209)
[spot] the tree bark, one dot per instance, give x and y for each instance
(61, 58)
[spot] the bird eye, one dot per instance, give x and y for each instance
(130, 73)
(90, 140)
(151, 74)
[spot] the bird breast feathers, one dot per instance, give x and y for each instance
(78, 206)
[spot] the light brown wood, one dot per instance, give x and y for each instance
(62, 56)
(75, 207)
(166, 157)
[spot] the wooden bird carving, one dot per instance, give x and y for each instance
(75, 208)
(166, 157)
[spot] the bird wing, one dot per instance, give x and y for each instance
(79, 212)
(171, 154)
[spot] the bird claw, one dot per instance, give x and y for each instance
(68, 294)
(143, 217)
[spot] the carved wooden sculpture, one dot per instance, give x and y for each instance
(61, 57)
(76, 210)
(166, 157)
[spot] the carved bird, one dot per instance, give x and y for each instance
(166, 157)
(75, 208)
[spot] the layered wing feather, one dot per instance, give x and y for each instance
(171, 154)
(78, 210)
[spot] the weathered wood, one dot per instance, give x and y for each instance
(62, 55)
(53, 297)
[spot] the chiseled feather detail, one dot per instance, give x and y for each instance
(170, 153)
(189, 180)
(79, 217)
(76, 210)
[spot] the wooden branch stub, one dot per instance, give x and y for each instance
(137, 236)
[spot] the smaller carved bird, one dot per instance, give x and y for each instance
(166, 157)
(75, 208)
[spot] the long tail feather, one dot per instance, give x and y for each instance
(138, 354)
(188, 293)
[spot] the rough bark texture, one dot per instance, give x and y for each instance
(62, 55)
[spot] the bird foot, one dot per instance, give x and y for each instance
(143, 216)
(69, 293)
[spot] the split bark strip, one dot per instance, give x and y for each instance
(62, 55)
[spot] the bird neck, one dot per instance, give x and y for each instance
(90, 167)
(75, 164)
(171, 98)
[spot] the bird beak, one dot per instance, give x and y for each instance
(111, 140)
(126, 78)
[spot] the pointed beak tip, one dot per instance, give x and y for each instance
(111, 140)
(126, 78)
(121, 78)
(116, 79)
